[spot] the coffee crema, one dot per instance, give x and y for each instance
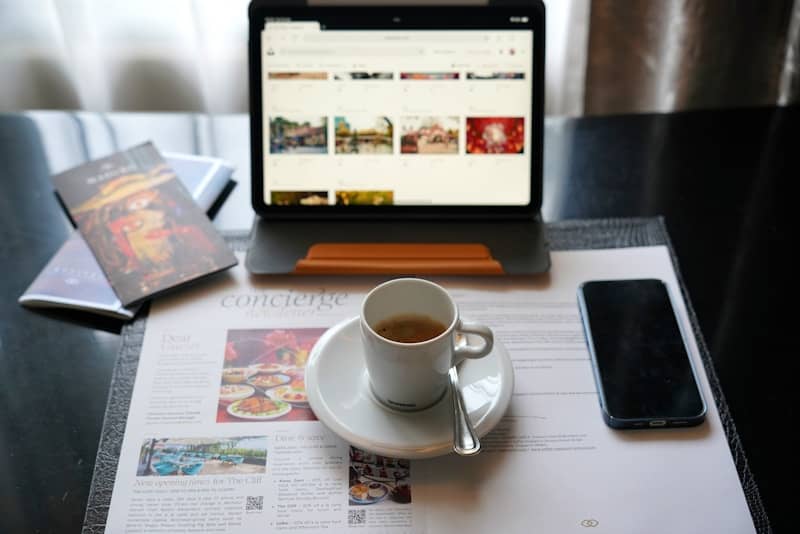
(409, 328)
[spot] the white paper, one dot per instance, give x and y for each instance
(551, 465)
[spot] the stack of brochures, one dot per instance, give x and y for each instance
(137, 226)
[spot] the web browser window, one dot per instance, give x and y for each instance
(396, 117)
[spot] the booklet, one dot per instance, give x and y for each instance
(193, 460)
(73, 279)
(141, 223)
(204, 176)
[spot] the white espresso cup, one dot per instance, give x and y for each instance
(414, 376)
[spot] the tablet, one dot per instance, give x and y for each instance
(396, 111)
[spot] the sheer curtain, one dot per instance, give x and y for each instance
(181, 55)
(187, 55)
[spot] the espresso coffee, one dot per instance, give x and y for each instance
(410, 328)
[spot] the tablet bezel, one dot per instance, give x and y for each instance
(405, 17)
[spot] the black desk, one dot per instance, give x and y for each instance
(719, 177)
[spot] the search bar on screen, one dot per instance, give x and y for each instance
(353, 51)
(421, 36)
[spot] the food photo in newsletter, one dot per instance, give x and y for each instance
(356, 517)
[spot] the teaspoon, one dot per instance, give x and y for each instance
(465, 441)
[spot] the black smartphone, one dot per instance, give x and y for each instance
(641, 363)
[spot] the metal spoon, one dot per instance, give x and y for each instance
(465, 441)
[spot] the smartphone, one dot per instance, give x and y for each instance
(641, 363)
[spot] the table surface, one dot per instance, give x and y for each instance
(719, 177)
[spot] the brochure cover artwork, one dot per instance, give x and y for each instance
(141, 223)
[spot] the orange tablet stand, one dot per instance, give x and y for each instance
(398, 258)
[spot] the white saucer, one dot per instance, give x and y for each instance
(339, 394)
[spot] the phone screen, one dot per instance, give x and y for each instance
(644, 374)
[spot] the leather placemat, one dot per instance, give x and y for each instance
(566, 235)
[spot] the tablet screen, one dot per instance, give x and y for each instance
(405, 117)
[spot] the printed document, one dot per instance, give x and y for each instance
(220, 437)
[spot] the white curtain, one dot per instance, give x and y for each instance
(187, 55)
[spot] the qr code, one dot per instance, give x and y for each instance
(356, 517)
(254, 504)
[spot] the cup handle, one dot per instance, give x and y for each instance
(463, 352)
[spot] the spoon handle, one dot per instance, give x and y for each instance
(465, 442)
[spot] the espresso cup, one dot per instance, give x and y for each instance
(411, 376)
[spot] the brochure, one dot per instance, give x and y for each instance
(205, 177)
(73, 279)
(141, 223)
(206, 450)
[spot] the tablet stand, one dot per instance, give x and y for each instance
(442, 247)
